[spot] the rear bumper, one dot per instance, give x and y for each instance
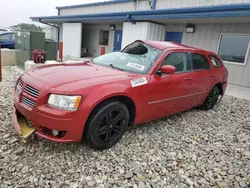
(43, 120)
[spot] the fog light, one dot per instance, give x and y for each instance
(55, 132)
(29, 123)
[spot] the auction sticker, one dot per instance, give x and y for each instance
(138, 82)
(136, 66)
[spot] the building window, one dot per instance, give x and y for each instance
(179, 60)
(234, 47)
(104, 38)
(200, 62)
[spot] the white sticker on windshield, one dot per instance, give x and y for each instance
(136, 66)
(138, 82)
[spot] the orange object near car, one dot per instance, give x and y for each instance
(102, 51)
(98, 100)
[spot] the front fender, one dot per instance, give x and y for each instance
(103, 92)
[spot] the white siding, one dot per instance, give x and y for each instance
(121, 7)
(207, 37)
(132, 32)
(72, 35)
(90, 38)
(141, 31)
(143, 5)
(156, 32)
(164, 4)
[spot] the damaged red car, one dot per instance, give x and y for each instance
(98, 100)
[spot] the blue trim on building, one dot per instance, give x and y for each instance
(96, 4)
(195, 15)
(236, 10)
(153, 4)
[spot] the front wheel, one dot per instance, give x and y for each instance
(212, 98)
(107, 125)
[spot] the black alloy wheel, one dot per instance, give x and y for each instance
(107, 125)
(212, 98)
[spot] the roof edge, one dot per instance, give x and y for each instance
(241, 10)
(95, 4)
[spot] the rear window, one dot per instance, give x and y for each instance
(215, 61)
(200, 62)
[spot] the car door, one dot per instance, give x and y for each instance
(202, 77)
(170, 93)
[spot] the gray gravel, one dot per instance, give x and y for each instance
(192, 149)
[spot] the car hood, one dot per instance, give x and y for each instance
(58, 75)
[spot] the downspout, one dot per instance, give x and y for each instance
(130, 19)
(58, 12)
(58, 32)
(153, 4)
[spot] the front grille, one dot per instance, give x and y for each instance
(28, 91)
(31, 91)
(28, 102)
(20, 83)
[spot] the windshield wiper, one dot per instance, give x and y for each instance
(91, 61)
(114, 67)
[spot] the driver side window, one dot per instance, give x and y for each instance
(179, 60)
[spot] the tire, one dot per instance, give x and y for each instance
(211, 99)
(107, 125)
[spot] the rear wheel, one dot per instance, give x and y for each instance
(107, 125)
(212, 98)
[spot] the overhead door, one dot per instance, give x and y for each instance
(72, 39)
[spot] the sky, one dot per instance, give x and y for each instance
(13, 12)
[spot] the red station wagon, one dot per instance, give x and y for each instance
(99, 99)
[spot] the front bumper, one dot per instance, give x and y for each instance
(46, 119)
(21, 126)
(30, 102)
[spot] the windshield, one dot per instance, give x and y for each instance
(137, 58)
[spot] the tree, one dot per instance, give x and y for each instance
(27, 27)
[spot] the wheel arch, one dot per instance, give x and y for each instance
(126, 100)
(220, 86)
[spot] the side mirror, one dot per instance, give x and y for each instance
(168, 69)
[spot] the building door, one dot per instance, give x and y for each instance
(174, 37)
(117, 40)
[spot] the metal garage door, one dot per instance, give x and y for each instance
(72, 39)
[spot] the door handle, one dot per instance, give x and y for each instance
(188, 78)
(211, 74)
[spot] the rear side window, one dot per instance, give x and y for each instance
(179, 60)
(215, 61)
(200, 62)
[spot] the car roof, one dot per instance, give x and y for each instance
(5, 33)
(163, 45)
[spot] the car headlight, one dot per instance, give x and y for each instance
(64, 102)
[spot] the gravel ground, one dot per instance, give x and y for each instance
(192, 149)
